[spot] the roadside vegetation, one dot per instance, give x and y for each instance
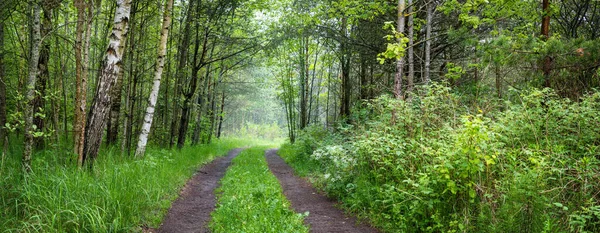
(251, 199)
(434, 164)
(121, 194)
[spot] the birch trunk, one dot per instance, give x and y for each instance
(400, 62)
(160, 64)
(411, 51)
(36, 39)
(110, 70)
(427, 77)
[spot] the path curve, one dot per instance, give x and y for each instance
(323, 215)
(191, 211)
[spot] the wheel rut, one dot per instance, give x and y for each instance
(323, 215)
(190, 213)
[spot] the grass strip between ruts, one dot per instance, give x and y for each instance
(251, 199)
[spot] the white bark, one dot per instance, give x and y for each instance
(411, 51)
(108, 76)
(427, 77)
(36, 38)
(400, 62)
(160, 63)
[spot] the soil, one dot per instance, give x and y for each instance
(191, 211)
(323, 215)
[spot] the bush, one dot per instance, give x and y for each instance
(431, 166)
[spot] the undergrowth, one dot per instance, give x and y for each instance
(121, 194)
(251, 199)
(435, 164)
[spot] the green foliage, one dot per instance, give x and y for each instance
(251, 200)
(431, 166)
(396, 46)
(119, 195)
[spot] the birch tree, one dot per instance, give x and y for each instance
(36, 39)
(160, 64)
(100, 107)
(411, 50)
(428, 26)
(400, 61)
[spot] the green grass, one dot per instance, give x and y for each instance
(120, 195)
(251, 199)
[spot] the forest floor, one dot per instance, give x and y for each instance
(191, 211)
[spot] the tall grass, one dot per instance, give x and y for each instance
(251, 199)
(121, 194)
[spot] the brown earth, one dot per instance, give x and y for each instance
(191, 211)
(323, 215)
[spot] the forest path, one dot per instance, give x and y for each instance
(323, 215)
(191, 211)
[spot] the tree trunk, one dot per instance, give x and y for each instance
(411, 50)
(345, 65)
(547, 66)
(400, 62)
(180, 72)
(221, 115)
(108, 76)
(36, 39)
(427, 77)
(81, 73)
(160, 64)
(39, 103)
(498, 82)
(303, 56)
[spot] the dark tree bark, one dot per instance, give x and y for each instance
(180, 72)
(221, 115)
(345, 65)
(547, 63)
(39, 103)
(82, 38)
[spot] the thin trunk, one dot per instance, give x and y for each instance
(160, 64)
(427, 77)
(189, 94)
(221, 115)
(101, 104)
(400, 62)
(303, 56)
(81, 74)
(547, 66)
(213, 103)
(39, 103)
(328, 95)
(180, 72)
(498, 81)
(411, 50)
(36, 41)
(363, 77)
(345, 74)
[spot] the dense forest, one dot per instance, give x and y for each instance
(416, 115)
